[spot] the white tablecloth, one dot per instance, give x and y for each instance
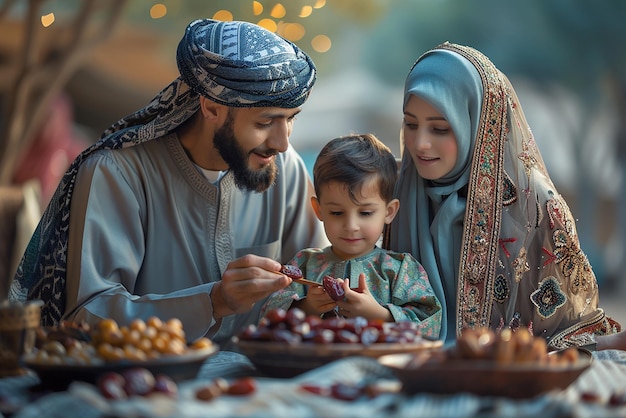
(278, 398)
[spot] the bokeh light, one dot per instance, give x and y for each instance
(257, 8)
(268, 24)
(158, 11)
(47, 20)
(278, 11)
(321, 43)
(306, 11)
(319, 4)
(292, 31)
(223, 15)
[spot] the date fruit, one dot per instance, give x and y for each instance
(165, 385)
(295, 327)
(138, 381)
(111, 386)
(333, 287)
(242, 386)
(291, 271)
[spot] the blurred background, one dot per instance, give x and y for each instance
(70, 68)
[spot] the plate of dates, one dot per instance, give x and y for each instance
(485, 363)
(288, 343)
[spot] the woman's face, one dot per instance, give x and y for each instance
(429, 138)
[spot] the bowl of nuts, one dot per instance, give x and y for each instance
(71, 351)
(288, 343)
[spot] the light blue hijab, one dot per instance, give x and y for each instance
(432, 211)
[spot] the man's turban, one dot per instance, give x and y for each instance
(241, 64)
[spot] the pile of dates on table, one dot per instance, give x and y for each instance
(293, 326)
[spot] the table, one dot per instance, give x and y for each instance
(278, 398)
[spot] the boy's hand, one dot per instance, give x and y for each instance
(316, 302)
(360, 302)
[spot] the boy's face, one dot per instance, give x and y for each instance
(353, 228)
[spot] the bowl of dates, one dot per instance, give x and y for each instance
(485, 363)
(287, 343)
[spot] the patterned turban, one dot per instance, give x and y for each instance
(241, 64)
(236, 64)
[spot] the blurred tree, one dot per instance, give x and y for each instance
(41, 63)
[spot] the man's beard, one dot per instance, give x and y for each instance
(227, 145)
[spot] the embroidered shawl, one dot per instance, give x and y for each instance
(519, 259)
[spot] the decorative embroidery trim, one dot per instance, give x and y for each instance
(568, 254)
(554, 213)
(509, 191)
(515, 323)
(501, 289)
(528, 160)
(520, 264)
(551, 256)
(483, 217)
(477, 271)
(472, 302)
(548, 297)
(539, 214)
(599, 324)
(503, 241)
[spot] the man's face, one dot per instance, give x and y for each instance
(249, 141)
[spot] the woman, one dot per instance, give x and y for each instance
(497, 240)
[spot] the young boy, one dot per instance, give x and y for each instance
(354, 179)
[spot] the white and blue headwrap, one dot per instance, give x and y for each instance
(236, 64)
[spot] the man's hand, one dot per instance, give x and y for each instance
(246, 280)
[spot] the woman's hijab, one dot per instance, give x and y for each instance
(453, 86)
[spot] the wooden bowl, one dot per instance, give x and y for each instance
(278, 359)
(484, 378)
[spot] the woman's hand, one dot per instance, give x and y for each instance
(246, 280)
(360, 302)
(615, 341)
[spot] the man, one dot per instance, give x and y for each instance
(186, 208)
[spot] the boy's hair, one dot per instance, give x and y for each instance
(353, 160)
